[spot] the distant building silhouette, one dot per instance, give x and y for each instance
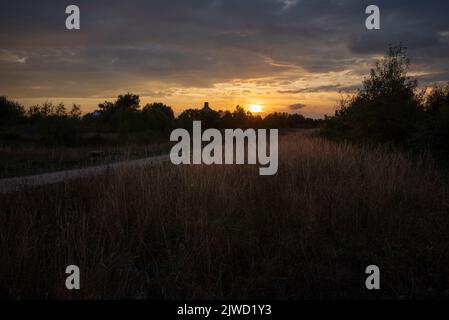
(206, 107)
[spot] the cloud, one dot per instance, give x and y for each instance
(9, 57)
(325, 88)
(296, 106)
(157, 45)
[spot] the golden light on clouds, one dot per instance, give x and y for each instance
(282, 56)
(316, 93)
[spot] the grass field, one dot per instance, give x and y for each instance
(187, 232)
(31, 160)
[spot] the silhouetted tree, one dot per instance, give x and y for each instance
(209, 119)
(11, 112)
(75, 112)
(434, 128)
(158, 116)
(122, 114)
(387, 108)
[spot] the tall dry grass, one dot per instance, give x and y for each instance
(214, 232)
(31, 160)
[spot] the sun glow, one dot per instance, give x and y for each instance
(255, 108)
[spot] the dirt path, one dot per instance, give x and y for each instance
(9, 185)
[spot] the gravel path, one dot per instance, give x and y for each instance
(9, 185)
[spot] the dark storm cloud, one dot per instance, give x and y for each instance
(196, 43)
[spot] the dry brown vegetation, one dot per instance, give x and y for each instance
(30, 160)
(226, 232)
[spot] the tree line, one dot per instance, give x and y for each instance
(124, 117)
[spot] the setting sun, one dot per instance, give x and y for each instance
(255, 108)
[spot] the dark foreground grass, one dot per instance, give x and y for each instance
(225, 232)
(23, 161)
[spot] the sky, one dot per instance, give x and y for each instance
(286, 55)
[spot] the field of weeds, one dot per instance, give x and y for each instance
(224, 232)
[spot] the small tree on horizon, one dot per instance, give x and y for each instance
(158, 116)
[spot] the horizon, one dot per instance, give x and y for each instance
(68, 103)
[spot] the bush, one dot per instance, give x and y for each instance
(387, 109)
(11, 112)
